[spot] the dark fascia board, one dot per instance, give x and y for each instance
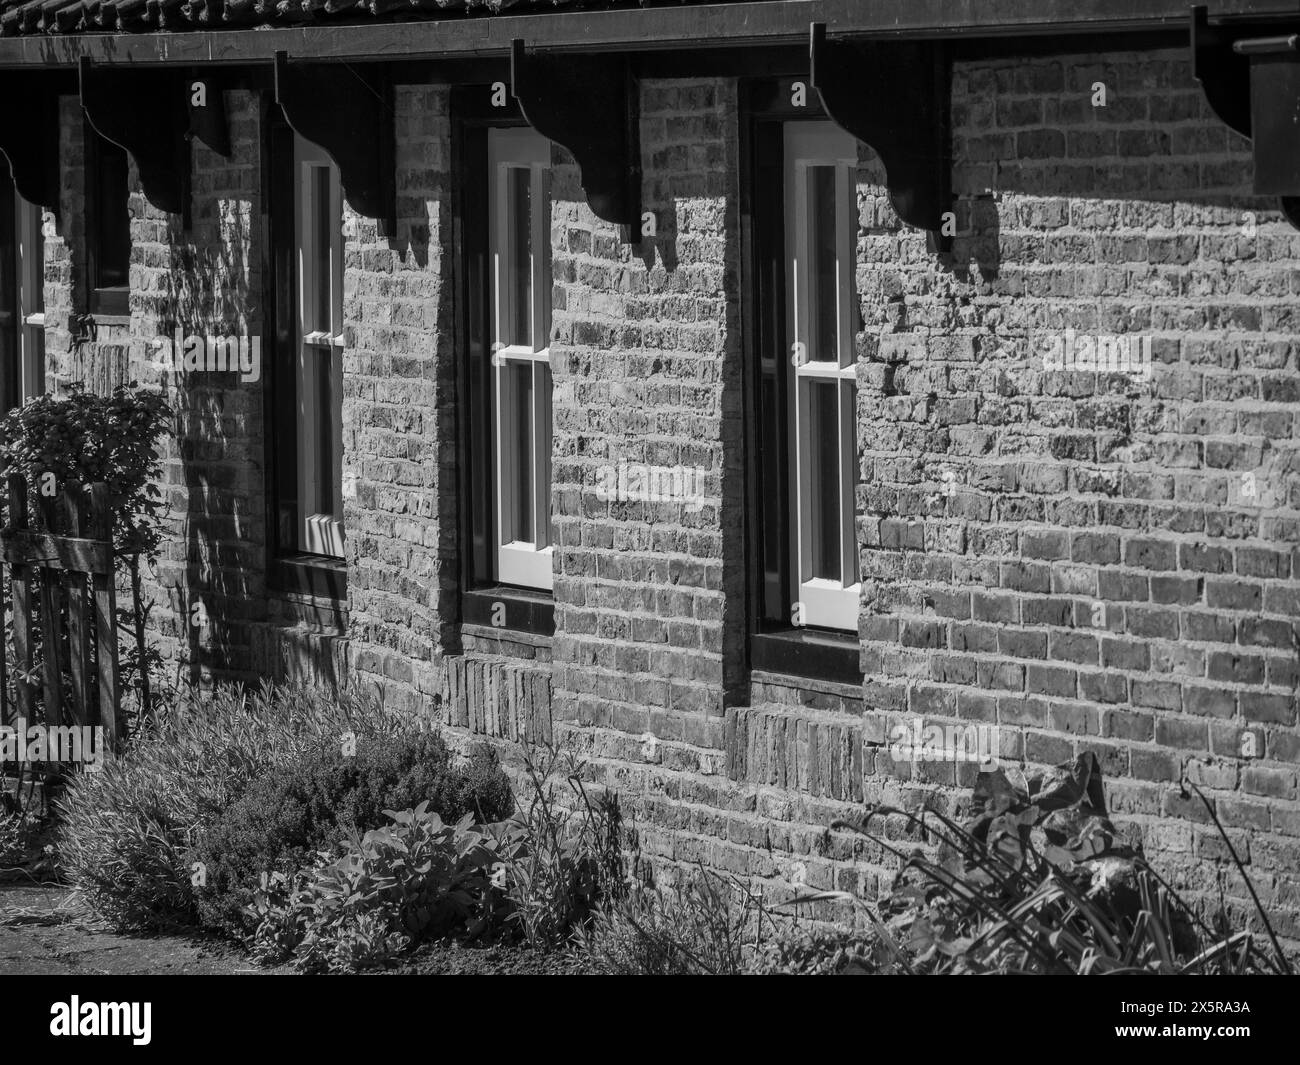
(733, 25)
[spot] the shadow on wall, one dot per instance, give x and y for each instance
(412, 238)
(208, 293)
(1074, 213)
(1080, 144)
(661, 247)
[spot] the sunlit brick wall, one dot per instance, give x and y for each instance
(1112, 567)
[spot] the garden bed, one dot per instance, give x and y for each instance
(452, 957)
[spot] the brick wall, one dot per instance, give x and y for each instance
(1097, 580)
(208, 283)
(399, 415)
(1094, 578)
(646, 358)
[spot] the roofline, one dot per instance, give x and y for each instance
(641, 29)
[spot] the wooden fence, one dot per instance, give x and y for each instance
(67, 560)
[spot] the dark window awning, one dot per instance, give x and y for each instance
(1251, 81)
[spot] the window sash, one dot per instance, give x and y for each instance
(107, 224)
(822, 410)
(30, 270)
(319, 355)
(519, 160)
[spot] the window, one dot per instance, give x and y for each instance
(820, 216)
(302, 288)
(519, 239)
(22, 303)
(802, 317)
(108, 225)
(318, 366)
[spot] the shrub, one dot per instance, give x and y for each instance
(561, 855)
(83, 437)
(288, 816)
(26, 822)
(16, 833)
(390, 888)
(128, 829)
(704, 927)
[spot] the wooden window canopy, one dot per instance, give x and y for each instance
(152, 114)
(894, 97)
(589, 105)
(348, 112)
(207, 112)
(29, 133)
(1253, 85)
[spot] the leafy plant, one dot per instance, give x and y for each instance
(562, 854)
(310, 806)
(18, 832)
(391, 888)
(1037, 881)
(83, 438)
(797, 950)
(706, 926)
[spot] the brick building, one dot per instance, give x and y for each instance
(647, 374)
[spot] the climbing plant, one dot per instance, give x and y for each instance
(79, 437)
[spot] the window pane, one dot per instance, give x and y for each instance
(823, 496)
(325, 417)
(519, 192)
(31, 296)
(9, 305)
(848, 441)
(113, 217)
(824, 331)
(520, 435)
(323, 231)
(544, 451)
(774, 506)
(33, 361)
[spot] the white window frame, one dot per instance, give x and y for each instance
(826, 602)
(522, 562)
(29, 227)
(320, 531)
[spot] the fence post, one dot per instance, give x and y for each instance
(22, 605)
(101, 518)
(51, 624)
(76, 596)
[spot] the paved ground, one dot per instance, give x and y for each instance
(40, 934)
